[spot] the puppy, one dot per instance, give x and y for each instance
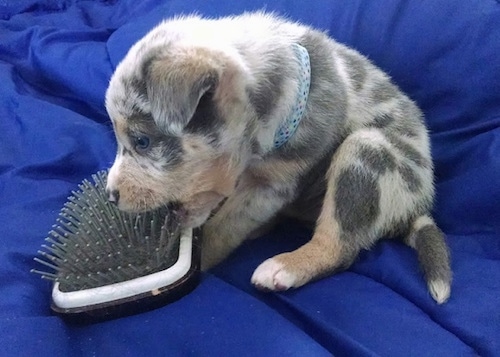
(241, 119)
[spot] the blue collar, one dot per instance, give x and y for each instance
(288, 127)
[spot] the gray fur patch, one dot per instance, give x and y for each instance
(356, 68)
(255, 147)
(135, 85)
(377, 159)
(311, 189)
(411, 111)
(140, 118)
(407, 150)
(411, 123)
(266, 94)
(407, 129)
(382, 121)
(142, 123)
(433, 253)
(356, 200)
(384, 91)
(206, 120)
(150, 55)
(138, 83)
(172, 152)
(410, 177)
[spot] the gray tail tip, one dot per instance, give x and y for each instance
(434, 257)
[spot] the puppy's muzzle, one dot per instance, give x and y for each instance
(113, 196)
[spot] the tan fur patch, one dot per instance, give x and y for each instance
(220, 177)
(324, 249)
(276, 171)
(187, 64)
(120, 126)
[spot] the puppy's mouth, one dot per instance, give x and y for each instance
(189, 213)
(199, 209)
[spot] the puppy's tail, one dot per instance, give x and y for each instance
(428, 240)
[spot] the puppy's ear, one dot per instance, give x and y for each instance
(175, 86)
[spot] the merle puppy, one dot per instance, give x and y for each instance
(243, 119)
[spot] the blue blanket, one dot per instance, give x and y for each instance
(56, 57)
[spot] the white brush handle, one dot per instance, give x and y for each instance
(117, 291)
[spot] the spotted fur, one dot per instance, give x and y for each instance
(195, 105)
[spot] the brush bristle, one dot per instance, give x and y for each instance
(94, 244)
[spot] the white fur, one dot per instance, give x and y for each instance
(114, 172)
(440, 290)
(272, 275)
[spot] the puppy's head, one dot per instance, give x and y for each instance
(179, 115)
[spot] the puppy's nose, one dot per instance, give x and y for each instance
(113, 196)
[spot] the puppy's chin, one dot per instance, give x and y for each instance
(134, 208)
(198, 209)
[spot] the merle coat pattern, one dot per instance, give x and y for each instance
(195, 105)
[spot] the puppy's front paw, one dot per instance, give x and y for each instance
(273, 275)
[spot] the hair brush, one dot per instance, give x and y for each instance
(106, 263)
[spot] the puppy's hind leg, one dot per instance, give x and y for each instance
(347, 222)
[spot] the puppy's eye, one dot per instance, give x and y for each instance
(141, 143)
